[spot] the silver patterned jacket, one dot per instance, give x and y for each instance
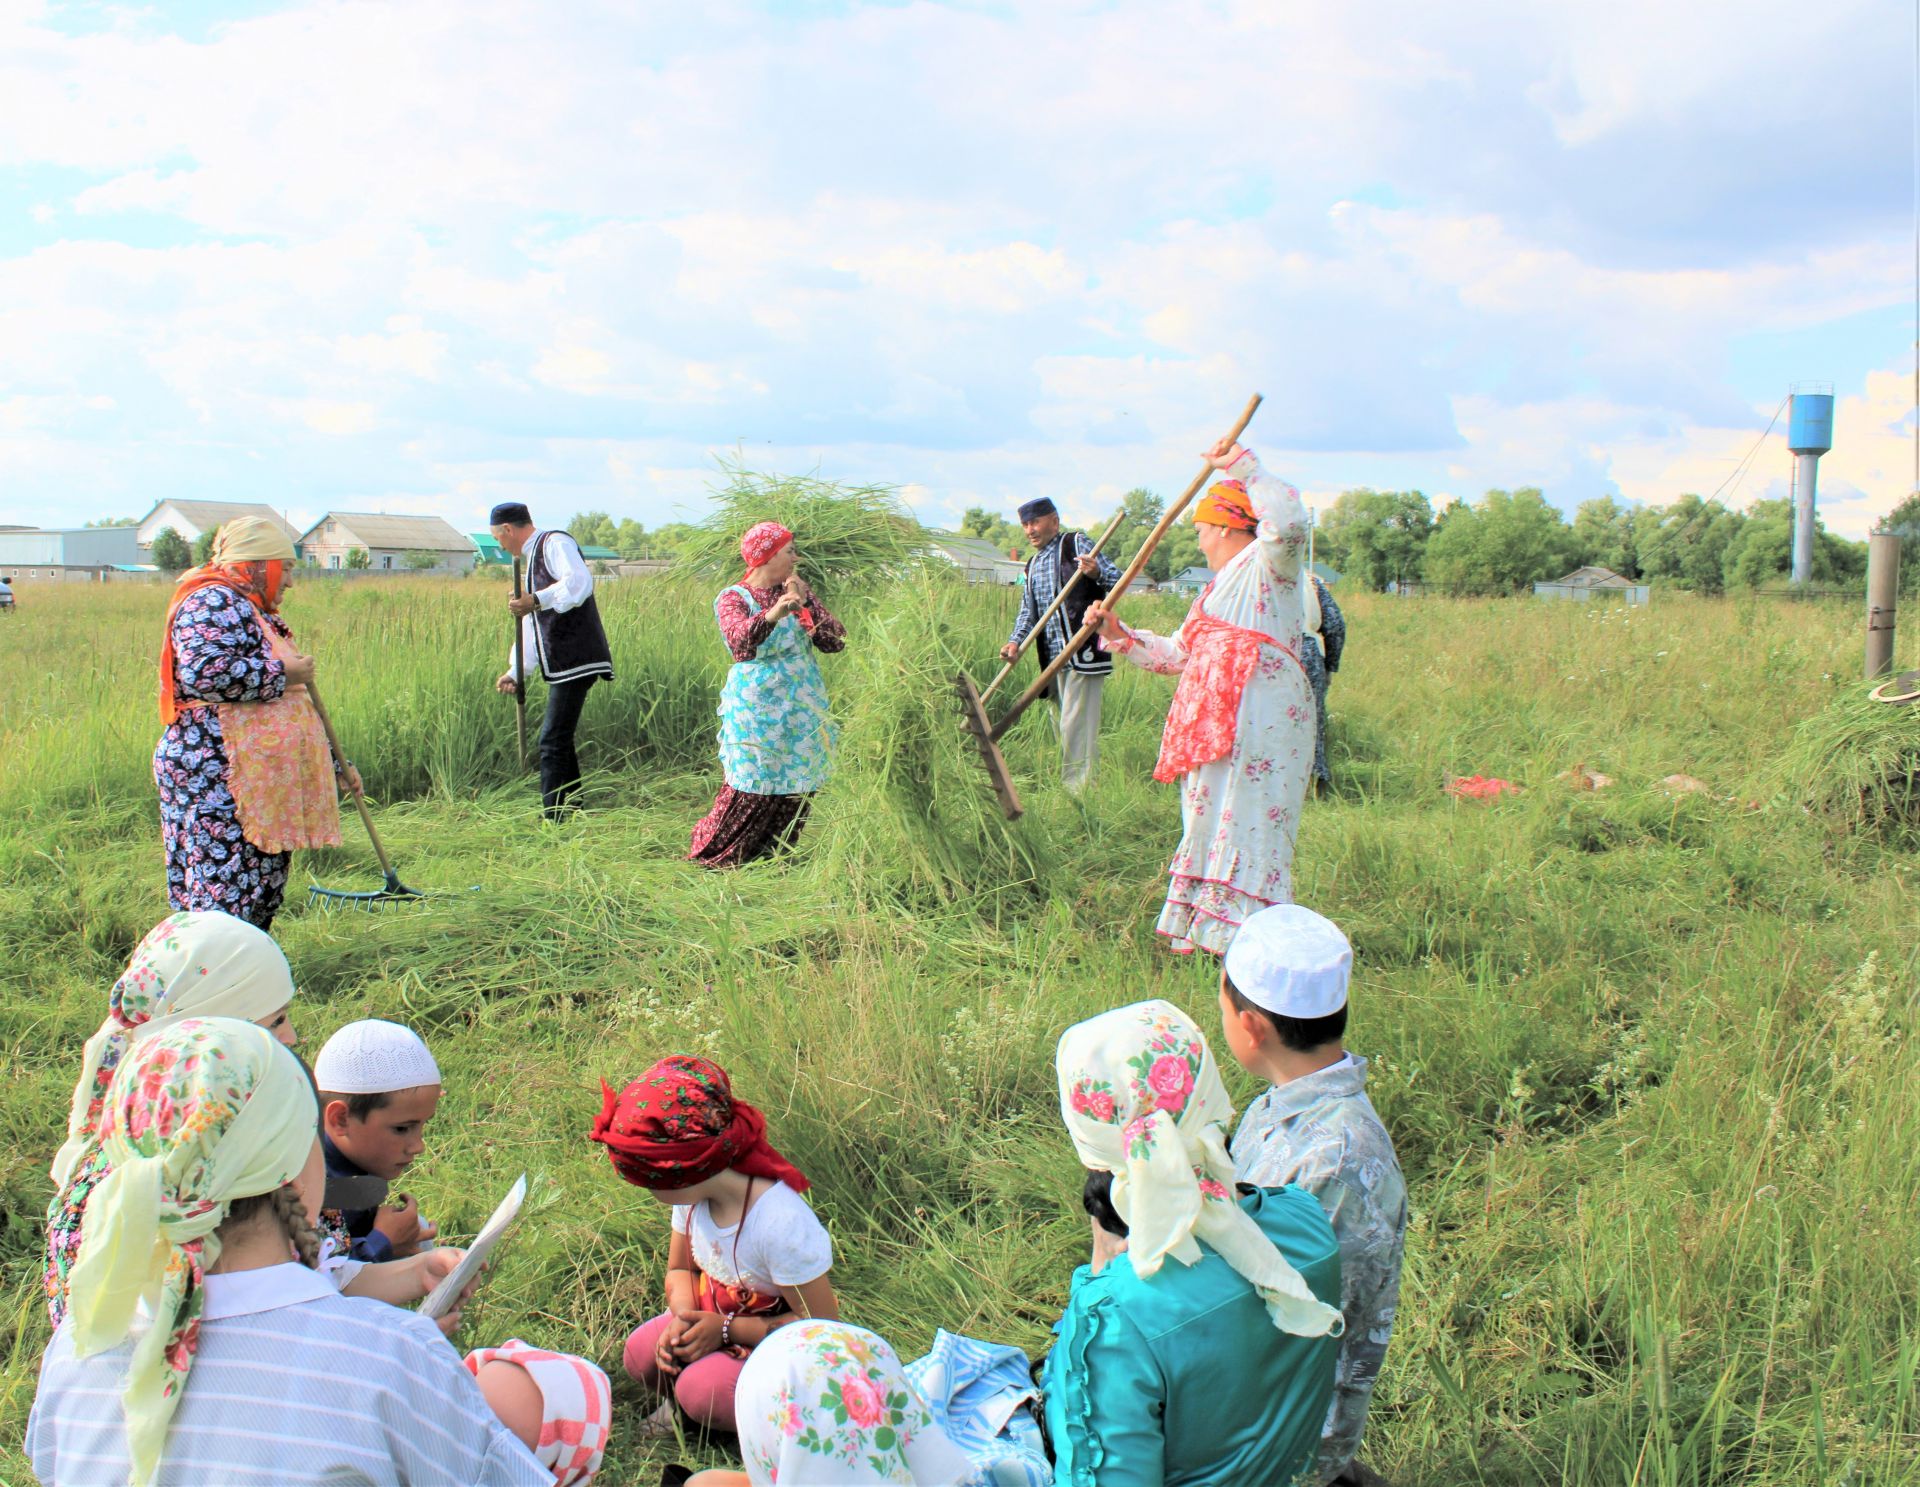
(1321, 1132)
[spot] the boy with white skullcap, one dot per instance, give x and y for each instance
(1283, 1010)
(379, 1086)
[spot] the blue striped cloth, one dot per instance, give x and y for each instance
(979, 1392)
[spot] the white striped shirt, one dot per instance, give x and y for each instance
(293, 1383)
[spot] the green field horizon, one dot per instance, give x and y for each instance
(1647, 1054)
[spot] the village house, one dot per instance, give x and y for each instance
(978, 560)
(192, 519)
(390, 543)
(1588, 584)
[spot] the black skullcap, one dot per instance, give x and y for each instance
(510, 514)
(1041, 507)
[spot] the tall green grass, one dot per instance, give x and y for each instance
(1648, 1058)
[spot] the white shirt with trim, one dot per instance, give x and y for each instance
(780, 1242)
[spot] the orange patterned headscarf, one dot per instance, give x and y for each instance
(1226, 505)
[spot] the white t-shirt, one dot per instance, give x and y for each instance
(781, 1242)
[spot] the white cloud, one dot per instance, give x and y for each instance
(446, 252)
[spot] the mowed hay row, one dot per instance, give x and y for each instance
(1648, 1053)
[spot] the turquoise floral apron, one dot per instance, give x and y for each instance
(776, 737)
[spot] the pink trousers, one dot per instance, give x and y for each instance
(704, 1390)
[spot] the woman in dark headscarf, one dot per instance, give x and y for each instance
(244, 771)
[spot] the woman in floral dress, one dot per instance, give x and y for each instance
(1239, 736)
(243, 768)
(776, 738)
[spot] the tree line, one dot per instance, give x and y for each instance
(1508, 540)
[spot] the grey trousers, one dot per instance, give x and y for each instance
(1079, 699)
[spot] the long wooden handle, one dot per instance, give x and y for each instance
(520, 673)
(1026, 698)
(366, 816)
(1059, 599)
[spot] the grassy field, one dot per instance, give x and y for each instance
(1649, 1059)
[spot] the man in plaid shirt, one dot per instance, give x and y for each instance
(1077, 687)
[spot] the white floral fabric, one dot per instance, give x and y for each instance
(1240, 813)
(1142, 1098)
(825, 1403)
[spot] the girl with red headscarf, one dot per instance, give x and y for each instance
(748, 1255)
(1239, 736)
(243, 767)
(776, 737)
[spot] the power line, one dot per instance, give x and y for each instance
(1746, 461)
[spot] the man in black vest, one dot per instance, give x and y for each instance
(560, 628)
(1077, 687)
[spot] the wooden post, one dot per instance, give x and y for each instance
(1883, 597)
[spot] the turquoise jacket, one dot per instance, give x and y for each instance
(1182, 1380)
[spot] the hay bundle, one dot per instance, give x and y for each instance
(849, 536)
(910, 813)
(1857, 764)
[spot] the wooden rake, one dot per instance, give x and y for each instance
(973, 712)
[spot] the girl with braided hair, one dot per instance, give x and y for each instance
(201, 1346)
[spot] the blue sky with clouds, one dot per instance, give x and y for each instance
(426, 255)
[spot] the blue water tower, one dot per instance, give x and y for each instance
(1809, 435)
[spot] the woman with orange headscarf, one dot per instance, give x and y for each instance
(244, 770)
(1239, 737)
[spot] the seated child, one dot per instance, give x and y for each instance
(748, 1255)
(379, 1086)
(197, 1349)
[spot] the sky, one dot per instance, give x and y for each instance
(429, 255)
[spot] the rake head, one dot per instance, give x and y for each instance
(973, 717)
(393, 891)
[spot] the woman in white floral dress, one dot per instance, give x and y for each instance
(1240, 734)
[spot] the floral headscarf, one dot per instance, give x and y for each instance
(1142, 1099)
(678, 1124)
(191, 964)
(825, 1402)
(762, 541)
(1226, 505)
(205, 1112)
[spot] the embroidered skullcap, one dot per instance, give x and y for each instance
(1292, 961)
(1042, 506)
(374, 1058)
(510, 514)
(251, 539)
(678, 1124)
(576, 1407)
(1142, 1098)
(1226, 505)
(762, 541)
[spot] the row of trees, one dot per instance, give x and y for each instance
(1508, 540)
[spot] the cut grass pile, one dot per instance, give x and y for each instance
(1649, 1059)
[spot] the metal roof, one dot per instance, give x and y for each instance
(403, 533)
(207, 515)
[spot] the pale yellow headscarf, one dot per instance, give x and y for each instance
(1142, 1099)
(206, 1112)
(251, 539)
(191, 964)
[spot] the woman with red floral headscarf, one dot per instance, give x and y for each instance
(776, 738)
(243, 767)
(1239, 736)
(748, 1255)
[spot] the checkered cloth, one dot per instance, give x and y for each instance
(576, 1408)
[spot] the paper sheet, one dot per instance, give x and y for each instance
(446, 1295)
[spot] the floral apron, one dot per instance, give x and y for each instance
(776, 737)
(1206, 706)
(280, 769)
